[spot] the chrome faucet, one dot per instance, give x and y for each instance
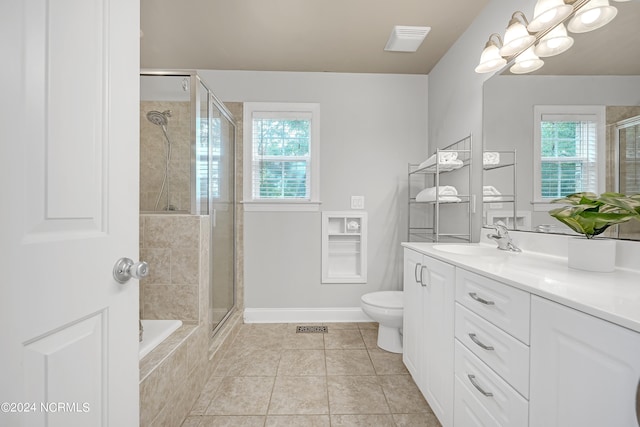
(502, 237)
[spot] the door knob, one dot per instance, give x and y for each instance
(125, 269)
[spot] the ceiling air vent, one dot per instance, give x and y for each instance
(406, 39)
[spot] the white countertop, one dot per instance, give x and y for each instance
(610, 296)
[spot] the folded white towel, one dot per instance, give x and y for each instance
(490, 190)
(448, 158)
(491, 194)
(490, 158)
(446, 194)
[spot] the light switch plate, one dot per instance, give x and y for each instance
(357, 202)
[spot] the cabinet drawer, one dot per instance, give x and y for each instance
(504, 306)
(474, 382)
(503, 353)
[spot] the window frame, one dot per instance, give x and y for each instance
(281, 204)
(571, 112)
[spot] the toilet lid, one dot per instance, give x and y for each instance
(385, 299)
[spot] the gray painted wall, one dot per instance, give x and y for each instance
(455, 89)
(372, 125)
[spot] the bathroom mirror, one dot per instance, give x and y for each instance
(601, 69)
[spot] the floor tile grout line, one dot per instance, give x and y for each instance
(326, 375)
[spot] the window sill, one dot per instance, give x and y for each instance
(254, 206)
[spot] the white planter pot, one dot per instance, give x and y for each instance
(592, 254)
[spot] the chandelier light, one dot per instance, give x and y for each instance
(546, 35)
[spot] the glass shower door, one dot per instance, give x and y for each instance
(222, 191)
(628, 176)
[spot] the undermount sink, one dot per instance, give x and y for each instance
(470, 249)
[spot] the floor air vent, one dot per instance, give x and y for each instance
(312, 329)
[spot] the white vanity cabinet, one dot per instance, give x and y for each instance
(491, 353)
(428, 330)
(584, 370)
(517, 341)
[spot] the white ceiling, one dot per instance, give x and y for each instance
(349, 36)
(298, 35)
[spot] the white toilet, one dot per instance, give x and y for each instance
(386, 308)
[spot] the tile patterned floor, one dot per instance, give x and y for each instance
(272, 376)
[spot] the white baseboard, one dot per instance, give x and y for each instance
(309, 315)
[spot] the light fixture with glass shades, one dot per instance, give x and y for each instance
(554, 42)
(546, 35)
(491, 60)
(595, 14)
(526, 62)
(548, 13)
(516, 38)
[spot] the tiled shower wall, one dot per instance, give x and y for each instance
(153, 154)
(177, 250)
(176, 246)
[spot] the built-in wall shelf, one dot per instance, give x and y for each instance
(344, 247)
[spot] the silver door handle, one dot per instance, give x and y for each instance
(125, 269)
(415, 272)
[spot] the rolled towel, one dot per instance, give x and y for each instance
(491, 193)
(490, 190)
(446, 194)
(447, 156)
(490, 158)
(444, 158)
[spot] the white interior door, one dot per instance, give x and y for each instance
(69, 174)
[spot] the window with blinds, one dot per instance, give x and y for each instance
(282, 156)
(568, 158)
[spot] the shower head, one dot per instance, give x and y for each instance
(158, 118)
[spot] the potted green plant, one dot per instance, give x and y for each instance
(590, 215)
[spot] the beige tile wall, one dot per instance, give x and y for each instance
(153, 156)
(177, 250)
(169, 389)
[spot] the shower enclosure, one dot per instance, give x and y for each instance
(187, 158)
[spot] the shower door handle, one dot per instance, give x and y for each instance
(126, 269)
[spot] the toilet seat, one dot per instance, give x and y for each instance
(384, 299)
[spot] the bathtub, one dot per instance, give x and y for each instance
(156, 331)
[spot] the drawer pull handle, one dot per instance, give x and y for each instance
(480, 343)
(480, 300)
(415, 272)
(472, 378)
